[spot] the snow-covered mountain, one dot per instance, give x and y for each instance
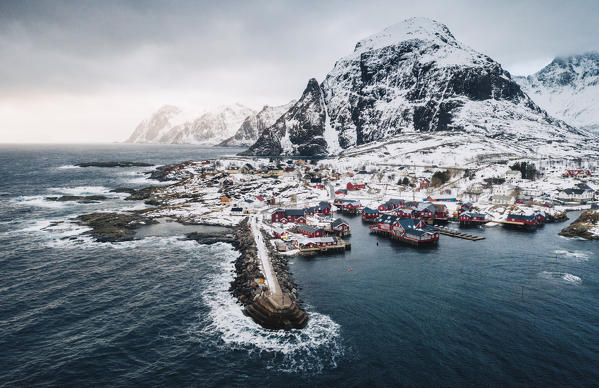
(568, 88)
(253, 125)
(155, 127)
(170, 125)
(412, 77)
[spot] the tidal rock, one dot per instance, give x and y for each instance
(79, 198)
(114, 227)
(114, 164)
(123, 190)
(585, 226)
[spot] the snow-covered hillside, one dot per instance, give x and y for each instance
(253, 125)
(568, 88)
(413, 77)
(170, 125)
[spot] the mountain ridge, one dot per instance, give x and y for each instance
(568, 88)
(425, 82)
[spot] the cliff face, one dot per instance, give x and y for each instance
(300, 130)
(411, 77)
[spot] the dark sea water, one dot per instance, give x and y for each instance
(513, 309)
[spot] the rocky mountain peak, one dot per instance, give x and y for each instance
(413, 76)
(416, 28)
(570, 71)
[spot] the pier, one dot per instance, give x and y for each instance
(456, 233)
(272, 309)
(340, 247)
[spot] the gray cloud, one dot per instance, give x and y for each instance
(250, 51)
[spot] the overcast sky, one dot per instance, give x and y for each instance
(89, 71)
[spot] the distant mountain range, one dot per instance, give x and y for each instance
(230, 125)
(568, 88)
(170, 125)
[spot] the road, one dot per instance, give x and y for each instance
(271, 279)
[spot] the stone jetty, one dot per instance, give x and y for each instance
(274, 306)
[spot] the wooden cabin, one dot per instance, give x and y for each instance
(309, 231)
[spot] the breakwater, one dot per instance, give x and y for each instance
(276, 307)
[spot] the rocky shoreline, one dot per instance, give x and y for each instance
(114, 227)
(254, 296)
(583, 226)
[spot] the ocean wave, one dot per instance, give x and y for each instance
(52, 229)
(38, 201)
(577, 255)
(561, 276)
(80, 190)
(67, 167)
(84, 241)
(311, 350)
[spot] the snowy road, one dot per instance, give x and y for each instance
(271, 280)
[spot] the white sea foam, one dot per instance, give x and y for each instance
(80, 190)
(37, 201)
(67, 167)
(568, 277)
(310, 350)
(561, 276)
(577, 255)
(84, 241)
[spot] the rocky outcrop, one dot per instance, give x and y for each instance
(114, 164)
(281, 312)
(585, 226)
(127, 190)
(78, 198)
(556, 217)
(208, 238)
(114, 227)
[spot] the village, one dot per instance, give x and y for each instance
(301, 199)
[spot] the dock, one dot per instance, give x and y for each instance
(456, 233)
(342, 246)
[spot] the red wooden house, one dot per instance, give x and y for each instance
(406, 212)
(340, 226)
(530, 220)
(540, 216)
(351, 205)
(355, 186)
(310, 231)
(370, 214)
(441, 212)
(297, 216)
(471, 218)
(425, 210)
